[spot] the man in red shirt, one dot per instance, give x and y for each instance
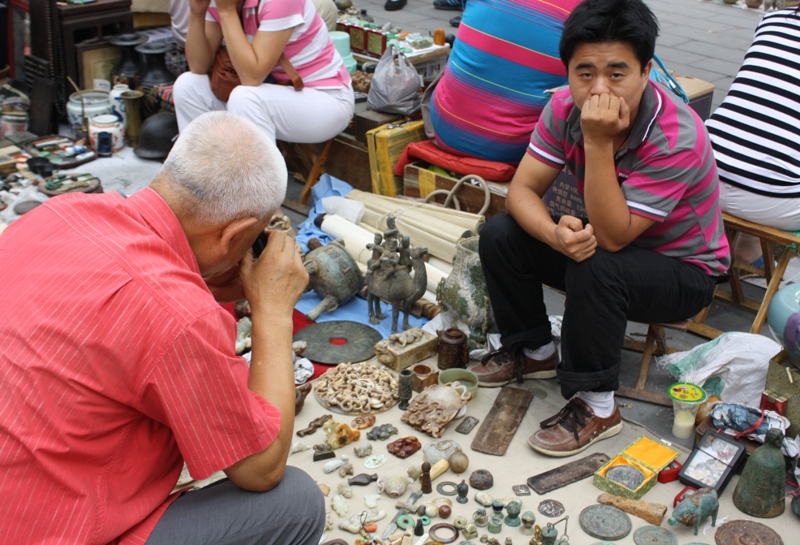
(118, 365)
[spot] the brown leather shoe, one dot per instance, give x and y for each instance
(573, 429)
(501, 367)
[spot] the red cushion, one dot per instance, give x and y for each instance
(428, 151)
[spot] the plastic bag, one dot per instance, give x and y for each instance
(395, 85)
(740, 360)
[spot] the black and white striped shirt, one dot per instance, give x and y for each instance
(755, 133)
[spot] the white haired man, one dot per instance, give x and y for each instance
(118, 364)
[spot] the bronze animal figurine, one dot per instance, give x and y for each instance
(696, 507)
(392, 281)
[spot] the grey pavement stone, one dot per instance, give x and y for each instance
(725, 68)
(691, 55)
(713, 51)
(670, 40)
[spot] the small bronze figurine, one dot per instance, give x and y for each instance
(761, 490)
(462, 490)
(425, 478)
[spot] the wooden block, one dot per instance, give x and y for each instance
(500, 425)
(392, 354)
(370, 119)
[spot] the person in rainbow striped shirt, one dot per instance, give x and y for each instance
(493, 89)
(653, 246)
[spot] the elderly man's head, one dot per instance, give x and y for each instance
(224, 179)
(226, 169)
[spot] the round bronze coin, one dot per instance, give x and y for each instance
(338, 341)
(551, 508)
(654, 535)
(605, 522)
(746, 532)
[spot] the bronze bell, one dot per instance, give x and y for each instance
(761, 490)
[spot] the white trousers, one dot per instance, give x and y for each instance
(773, 212)
(309, 116)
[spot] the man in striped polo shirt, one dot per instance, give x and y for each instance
(651, 249)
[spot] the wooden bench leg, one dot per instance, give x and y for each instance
(655, 344)
(316, 169)
(772, 287)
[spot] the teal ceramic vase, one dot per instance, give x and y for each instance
(783, 318)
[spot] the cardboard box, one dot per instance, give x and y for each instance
(385, 145)
(700, 94)
(644, 454)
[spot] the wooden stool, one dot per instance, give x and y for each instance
(655, 344)
(772, 273)
(313, 163)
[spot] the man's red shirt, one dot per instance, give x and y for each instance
(116, 365)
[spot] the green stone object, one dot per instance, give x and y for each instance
(654, 535)
(760, 491)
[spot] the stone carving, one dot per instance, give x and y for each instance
(435, 407)
(339, 434)
(358, 388)
(382, 432)
(393, 486)
(463, 294)
(333, 465)
(353, 524)
(314, 424)
(404, 447)
(389, 275)
(362, 422)
(694, 508)
(364, 450)
(651, 512)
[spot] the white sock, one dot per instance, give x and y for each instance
(601, 403)
(541, 353)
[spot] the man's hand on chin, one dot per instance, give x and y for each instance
(226, 287)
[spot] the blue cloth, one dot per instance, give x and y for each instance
(327, 186)
(356, 309)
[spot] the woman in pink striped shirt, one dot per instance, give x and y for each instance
(257, 33)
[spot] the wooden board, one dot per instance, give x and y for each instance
(567, 473)
(500, 425)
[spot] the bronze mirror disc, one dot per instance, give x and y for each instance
(339, 341)
(605, 522)
(628, 476)
(654, 535)
(746, 532)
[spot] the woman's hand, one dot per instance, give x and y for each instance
(198, 7)
(228, 5)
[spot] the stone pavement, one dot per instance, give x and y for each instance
(700, 38)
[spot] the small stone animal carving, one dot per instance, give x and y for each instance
(396, 339)
(339, 434)
(696, 507)
(389, 277)
(314, 424)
